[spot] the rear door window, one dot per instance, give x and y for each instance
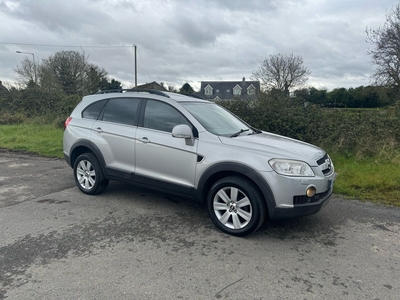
(121, 110)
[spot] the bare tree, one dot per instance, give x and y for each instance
(67, 72)
(282, 72)
(386, 53)
(169, 87)
(35, 74)
(27, 71)
(172, 88)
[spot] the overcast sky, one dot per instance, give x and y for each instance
(190, 41)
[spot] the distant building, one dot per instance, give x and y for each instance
(152, 86)
(3, 88)
(228, 90)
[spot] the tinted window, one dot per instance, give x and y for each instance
(161, 116)
(93, 110)
(121, 110)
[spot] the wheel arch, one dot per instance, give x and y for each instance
(85, 146)
(221, 170)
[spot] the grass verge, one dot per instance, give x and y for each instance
(44, 140)
(371, 179)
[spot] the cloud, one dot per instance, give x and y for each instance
(201, 31)
(194, 40)
(59, 16)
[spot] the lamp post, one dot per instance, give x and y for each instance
(34, 64)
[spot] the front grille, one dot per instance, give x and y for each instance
(326, 165)
(299, 200)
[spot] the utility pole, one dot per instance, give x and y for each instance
(135, 66)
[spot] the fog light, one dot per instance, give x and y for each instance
(311, 191)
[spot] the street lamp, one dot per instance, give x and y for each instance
(33, 57)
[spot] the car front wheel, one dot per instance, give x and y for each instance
(236, 206)
(88, 174)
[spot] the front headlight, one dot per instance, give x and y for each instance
(291, 167)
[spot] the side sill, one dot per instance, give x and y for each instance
(149, 183)
(111, 173)
(162, 185)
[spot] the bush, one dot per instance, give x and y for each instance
(36, 105)
(8, 118)
(357, 133)
(361, 134)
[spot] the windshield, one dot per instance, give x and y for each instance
(216, 119)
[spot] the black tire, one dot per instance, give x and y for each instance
(88, 174)
(229, 209)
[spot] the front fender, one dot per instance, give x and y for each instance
(219, 170)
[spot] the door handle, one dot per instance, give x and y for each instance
(99, 130)
(144, 140)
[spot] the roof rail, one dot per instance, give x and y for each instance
(154, 92)
(195, 96)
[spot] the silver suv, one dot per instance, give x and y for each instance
(195, 148)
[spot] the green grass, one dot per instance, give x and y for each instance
(371, 179)
(44, 140)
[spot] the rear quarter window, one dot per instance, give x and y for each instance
(93, 110)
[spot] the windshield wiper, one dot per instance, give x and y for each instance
(256, 131)
(239, 132)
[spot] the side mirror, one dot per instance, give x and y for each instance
(183, 131)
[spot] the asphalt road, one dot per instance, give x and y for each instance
(131, 243)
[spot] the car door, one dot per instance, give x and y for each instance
(164, 161)
(114, 134)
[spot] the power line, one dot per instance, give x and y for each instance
(148, 77)
(67, 46)
(75, 46)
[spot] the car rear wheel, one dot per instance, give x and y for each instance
(236, 206)
(88, 174)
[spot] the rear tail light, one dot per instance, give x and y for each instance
(67, 122)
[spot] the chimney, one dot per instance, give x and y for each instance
(244, 79)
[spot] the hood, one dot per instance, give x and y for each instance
(277, 146)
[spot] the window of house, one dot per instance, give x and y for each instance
(163, 117)
(208, 90)
(217, 91)
(93, 111)
(251, 90)
(121, 110)
(228, 90)
(237, 90)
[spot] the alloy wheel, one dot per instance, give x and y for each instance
(86, 174)
(232, 207)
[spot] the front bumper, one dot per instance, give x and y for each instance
(300, 210)
(290, 194)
